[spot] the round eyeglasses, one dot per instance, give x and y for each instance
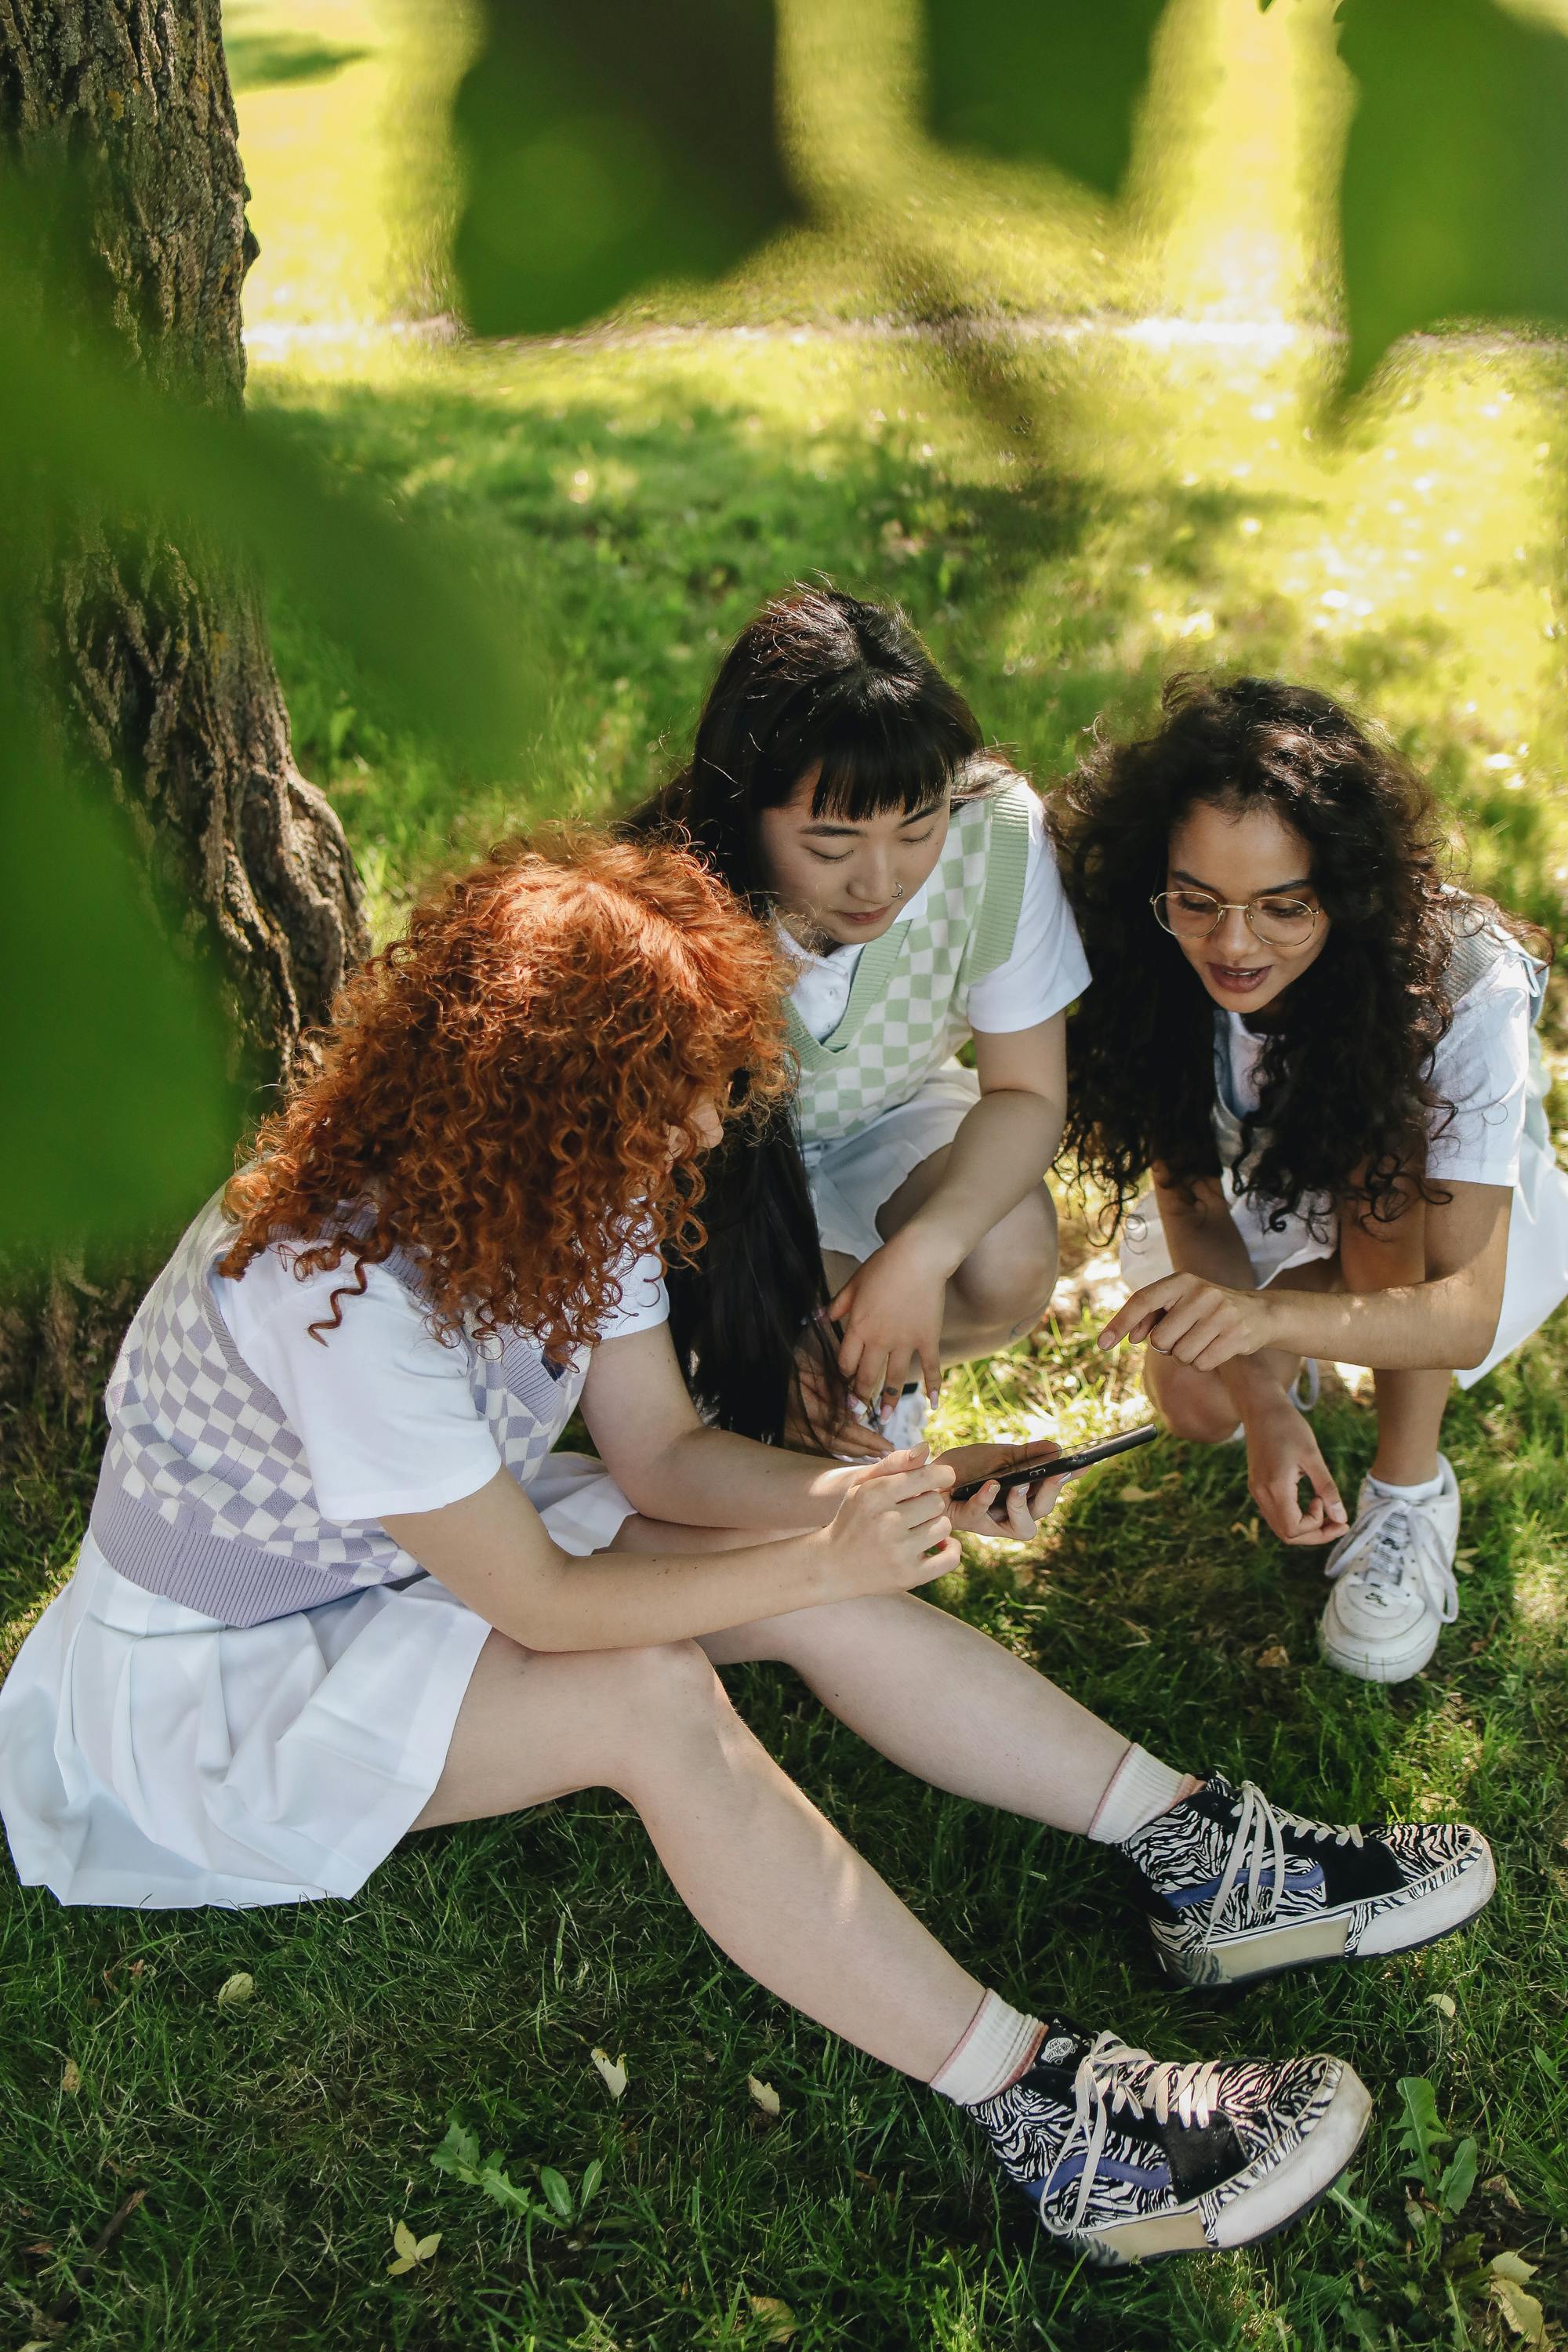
(1199, 914)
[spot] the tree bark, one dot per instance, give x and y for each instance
(158, 653)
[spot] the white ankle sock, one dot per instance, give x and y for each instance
(1140, 1788)
(992, 2052)
(1426, 1492)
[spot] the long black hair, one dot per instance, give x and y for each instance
(818, 679)
(1345, 1077)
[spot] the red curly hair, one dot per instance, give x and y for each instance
(498, 1088)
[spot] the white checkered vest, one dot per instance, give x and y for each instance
(905, 1011)
(204, 1494)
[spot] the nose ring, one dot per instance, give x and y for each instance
(898, 890)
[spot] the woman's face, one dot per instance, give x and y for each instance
(837, 884)
(1243, 857)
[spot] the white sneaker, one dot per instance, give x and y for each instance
(904, 1423)
(1395, 1589)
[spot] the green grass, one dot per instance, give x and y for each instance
(278, 2140)
(1179, 500)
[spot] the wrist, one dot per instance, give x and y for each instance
(943, 1243)
(819, 1556)
(827, 1490)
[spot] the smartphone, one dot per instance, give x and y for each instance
(1029, 1474)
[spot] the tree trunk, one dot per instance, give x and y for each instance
(164, 674)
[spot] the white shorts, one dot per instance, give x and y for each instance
(153, 1758)
(850, 1179)
(1534, 1282)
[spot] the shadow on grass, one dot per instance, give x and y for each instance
(477, 1971)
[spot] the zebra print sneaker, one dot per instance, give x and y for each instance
(1237, 1889)
(1125, 2158)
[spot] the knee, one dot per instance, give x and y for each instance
(1007, 1280)
(667, 1681)
(662, 1700)
(1200, 1416)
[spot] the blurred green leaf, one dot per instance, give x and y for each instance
(118, 1110)
(1041, 82)
(419, 606)
(1455, 198)
(609, 144)
(263, 60)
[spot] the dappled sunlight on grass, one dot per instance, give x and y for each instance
(1084, 445)
(1197, 504)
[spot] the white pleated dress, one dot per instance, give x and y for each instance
(151, 1757)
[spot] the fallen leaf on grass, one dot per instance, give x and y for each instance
(1514, 2267)
(774, 2318)
(1274, 1653)
(1497, 2187)
(1521, 2311)
(236, 1989)
(71, 2076)
(1442, 2002)
(1138, 1494)
(766, 2097)
(612, 2072)
(410, 2249)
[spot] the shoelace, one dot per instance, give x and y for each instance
(1259, 1839)
(1112, 2077)
(1375, 1550)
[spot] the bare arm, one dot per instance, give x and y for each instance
(1443, 1323)
(494, 1552)
(891, 1308)
(671, 1466)
(859, 1528)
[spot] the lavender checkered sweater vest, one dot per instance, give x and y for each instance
(205, 1495)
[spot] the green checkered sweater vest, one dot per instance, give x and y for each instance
(906, 1009)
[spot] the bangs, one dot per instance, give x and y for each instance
(870, 770)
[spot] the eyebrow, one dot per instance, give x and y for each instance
(1270, 890)
(915, 816)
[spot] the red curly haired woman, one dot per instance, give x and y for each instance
(338, 1589)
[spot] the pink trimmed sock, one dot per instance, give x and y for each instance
(993, 2051)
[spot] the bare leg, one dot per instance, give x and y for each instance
(941, 1699)
(773, 1883)
(1410, 1405)
(1004, 1284)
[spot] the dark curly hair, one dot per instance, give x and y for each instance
(1346, 1099)
(499, 1088)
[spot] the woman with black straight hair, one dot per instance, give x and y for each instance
(894, 1217)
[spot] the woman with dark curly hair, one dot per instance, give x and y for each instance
(1326, 1054)
(337, 1586)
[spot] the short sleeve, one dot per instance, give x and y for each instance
(383, 1409)
(1046, 969)
(1482, 1067)
(645, 1303)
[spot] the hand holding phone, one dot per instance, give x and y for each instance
(1040, 1466)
